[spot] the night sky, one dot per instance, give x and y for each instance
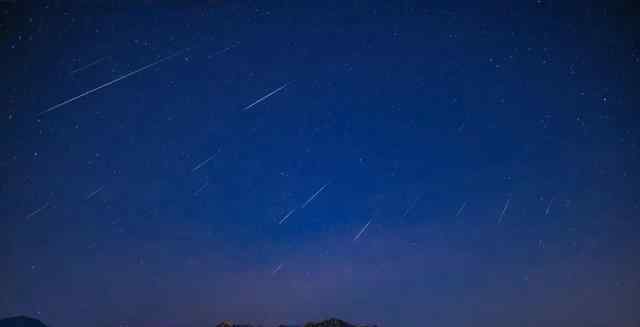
(404, 163)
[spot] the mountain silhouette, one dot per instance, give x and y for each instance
(227, 324)
(333, 322)
(21, 321)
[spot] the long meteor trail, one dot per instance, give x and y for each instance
(286, 216)
(82, 95)
(265, 97)
(362, 231)
(204, 162)
(314, 195)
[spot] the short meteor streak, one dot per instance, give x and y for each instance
(286, 216)
(413, 205)
(92, 194)
(112, 82)
(546, 212)
(362, 231)
(37, 211)
(201, 188)
(225, 49)
(314, 195)
(461, 208)
(504, 210)
(265, 97)
(201, 164)
(275, 271)
(87, 66)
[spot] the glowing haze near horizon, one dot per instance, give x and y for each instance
(403, 163)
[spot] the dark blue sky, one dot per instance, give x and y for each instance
(480, 163)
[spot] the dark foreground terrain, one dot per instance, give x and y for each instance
(21, 321)
(326, 323)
